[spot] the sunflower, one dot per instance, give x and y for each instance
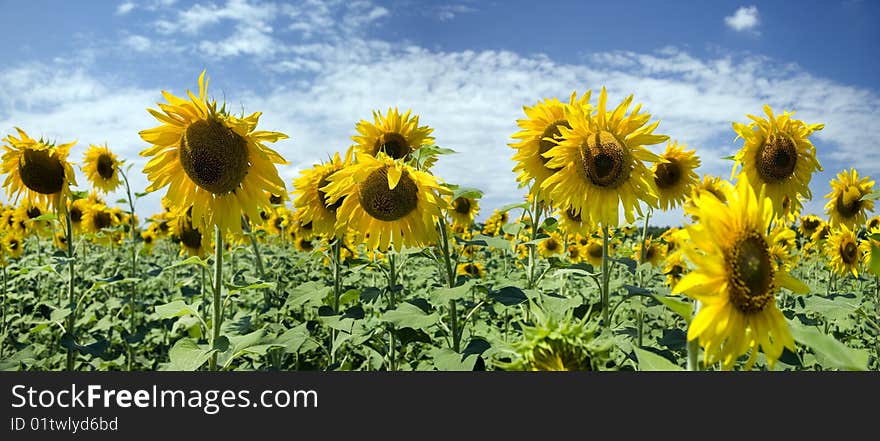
(674, 268)
(653, 252)
(398, 136)
(37, 169)
(777, 153)
(98, 217)
(574, 253)
(149, 239)
(386, 202)
(27, 212)
(593, 252)
(211, 161)
(13, 245)
(277, 199)
(809, 224)
(782, 250)
(60, 240)
(304, 244)
(714, 185)
(845, 252)
(101, 168)
(462, 210)
(77, 210)
(846, 201)
(675, 176)
(496, 221)
(735, 279)
(600, 159)
(470, 269)
(560, 345)
(192, 236)
(873, 223)
(551, 246)
(571, 222)
(311, 201)
(539, 133)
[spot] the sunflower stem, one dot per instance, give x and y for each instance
(693, 346)
(450, 281)
(247, 229)
(392, 282)
(218, 286)
(643, 252)
(3, 304)
(337, 289)
(71, 319)
(134, 273)
(606, 277)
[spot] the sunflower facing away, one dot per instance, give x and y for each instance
(600, 161)
(311, 201)
(735, 279)
(845, 252)
(395, 134)
(540, 132)
(386, 202)
(675, 176)
(777, 153)
(846, 205)
(101, 168)
(211, 161)
(36, 169)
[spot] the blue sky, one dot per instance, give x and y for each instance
(315, 68)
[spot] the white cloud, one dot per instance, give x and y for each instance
(745, 19)
(138, 43)
(448, 12)
(125, 8)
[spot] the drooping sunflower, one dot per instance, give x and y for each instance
(846, 205)
(193, 238)
(653, 252)
(470, 269)
(311, 201)
(101, 167)
(571, 221)
(386, 202)
(809, 224)
(540, 132)
(395, 134)
(211, 161)
(735, 279)
(462, 210)
(600, 159)
(37, 170)
(778, 153)
(845, 252)
(675, 175)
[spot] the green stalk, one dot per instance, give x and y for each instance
(450, 281)
(71, 319)
(218, 286)
(392, 281)
(247, 229)
(134, 273)
(3, 314)
(693, 347)
(337, 289)
(606, 278)
(642, 254)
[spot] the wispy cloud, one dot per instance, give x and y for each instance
(450, 11)
(125, 8)
(745, 19)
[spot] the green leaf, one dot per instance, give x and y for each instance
(308, 294)
(442, 296)
(499, 243)
(874, 264)
(550, 224)
(509, 296)
(512, 228)
(292, 339)
(467, 192)
(446, 359)
(240, 345)
(836, 310)
(187, 355)
(408, 315)
(649, 361)
(729, 158)
(192, 260)
(43, 217)
(176, 308)
(828, 350)
(871, 196)
(221, 344)
(508, 207)
(680, 307)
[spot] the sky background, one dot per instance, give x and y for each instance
(88, 70)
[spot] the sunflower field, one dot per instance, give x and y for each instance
(370, 261)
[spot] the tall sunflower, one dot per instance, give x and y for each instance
(846, 204)
(395, 134)
(386, 202)
(311, 201)
(600, 161)
(37, 170)
(675, 175)
(735, 279)
(101, 168)
(845, 252)
(539, 132)
(211, 161)
(778, 153)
